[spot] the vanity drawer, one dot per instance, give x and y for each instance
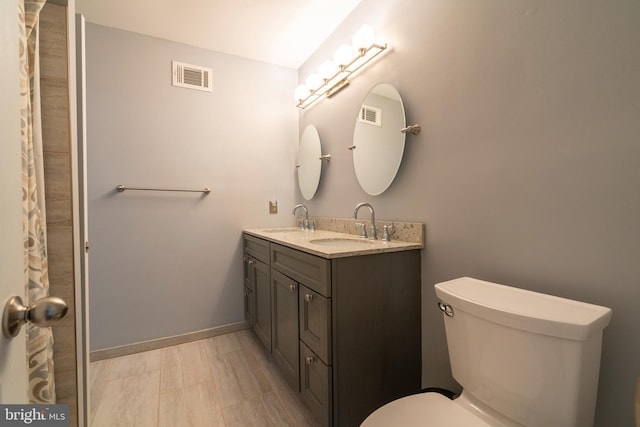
(316, 385)
(315, 322)
(310, 270)
(257, 248)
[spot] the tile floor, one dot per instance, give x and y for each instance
(228, 381)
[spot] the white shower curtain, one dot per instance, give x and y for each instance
(39, 340)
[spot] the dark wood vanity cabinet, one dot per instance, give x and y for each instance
(345, 331)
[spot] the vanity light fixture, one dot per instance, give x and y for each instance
(332, 76)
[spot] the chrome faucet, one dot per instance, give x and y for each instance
(372, 235)
(305, 221)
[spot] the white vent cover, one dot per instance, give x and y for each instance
(371, 115)
(191, 76)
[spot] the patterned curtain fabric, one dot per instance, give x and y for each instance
(39, 340)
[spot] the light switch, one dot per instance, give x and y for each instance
(273, 206)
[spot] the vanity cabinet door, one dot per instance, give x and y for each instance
(315, 322)
(249, 293)
(257, 287)
(260, 274)
(285, 327)
(316, 385)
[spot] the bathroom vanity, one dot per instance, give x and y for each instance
(339, 314)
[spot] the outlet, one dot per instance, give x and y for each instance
(273, 206)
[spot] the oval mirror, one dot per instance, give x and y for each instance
(309, 163)
(378, 144)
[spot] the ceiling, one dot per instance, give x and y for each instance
(281, 32)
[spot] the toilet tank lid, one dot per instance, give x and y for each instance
(526, 310)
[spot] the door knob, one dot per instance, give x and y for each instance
(45, 312)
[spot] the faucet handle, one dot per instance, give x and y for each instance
(387, 231)
(363, 229)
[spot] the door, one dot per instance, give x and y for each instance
(284, 331)
(262, 286)
(249, 292)
(13, 362)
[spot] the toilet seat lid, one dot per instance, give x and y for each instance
(423, 410)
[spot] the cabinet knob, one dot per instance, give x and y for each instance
(292, 288)
(308, 297)
(251, 262)
(309, 360)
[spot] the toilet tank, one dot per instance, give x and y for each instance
(530, 357)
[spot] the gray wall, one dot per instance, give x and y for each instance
(526, 171)
(163, 264)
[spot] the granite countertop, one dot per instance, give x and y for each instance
(332, 244)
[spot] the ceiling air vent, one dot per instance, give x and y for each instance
(371, 115)
(191, 76)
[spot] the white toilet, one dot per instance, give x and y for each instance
(523, 359)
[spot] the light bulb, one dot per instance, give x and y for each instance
(313, 82)
(343, 55)
(327, 70)
(364, 38)
(301, 92)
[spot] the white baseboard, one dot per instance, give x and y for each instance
(123, 350)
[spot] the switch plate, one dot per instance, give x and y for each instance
(273, 206)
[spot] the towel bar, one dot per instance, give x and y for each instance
(122, 188)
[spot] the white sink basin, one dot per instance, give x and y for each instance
(341, 241)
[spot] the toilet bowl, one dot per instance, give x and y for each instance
(424, 409)
(523, 359)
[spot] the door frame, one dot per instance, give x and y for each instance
(77, 133)
(13, 361)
